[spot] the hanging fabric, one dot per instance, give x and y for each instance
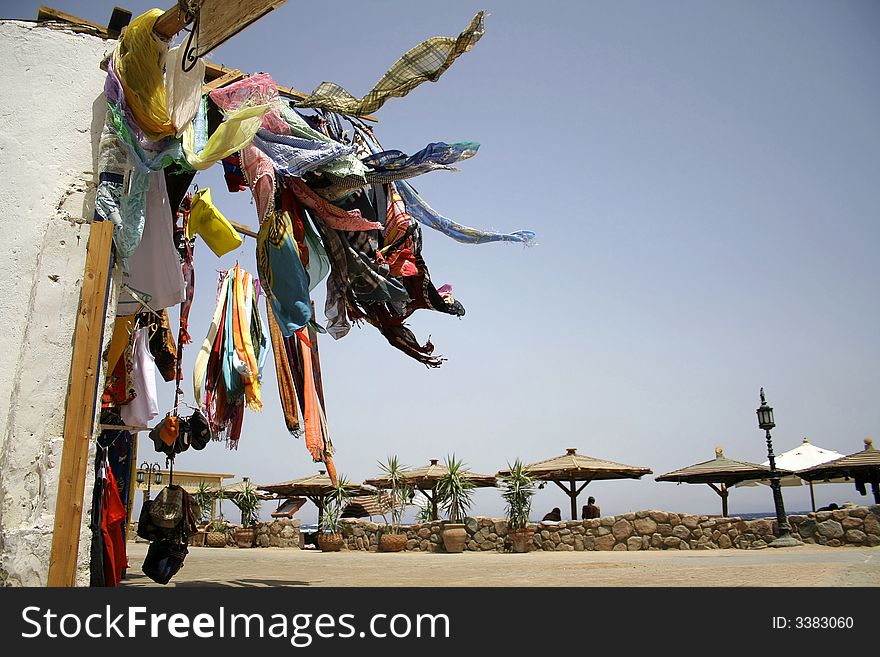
(145, 406)
(425, 62)
(226, 377)
(210, 224)
(154, 267)
(138, 61)
(282, 273)
(183, 89)
(286, 387)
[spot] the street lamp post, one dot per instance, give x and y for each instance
(765, 422)
(149, 472)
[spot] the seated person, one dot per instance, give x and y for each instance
(590, 509)
(554, 516)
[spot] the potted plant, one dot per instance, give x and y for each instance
(454, 492)
(329, 535)
(394, 503)
(517, 489)
(249, 503)
(217, 531)
(204, 500)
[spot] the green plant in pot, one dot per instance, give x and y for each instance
(248, 503)
(330, 535)
(517, 489)
(393, 503)
(203, 499)
(454, 492)
(217, 531)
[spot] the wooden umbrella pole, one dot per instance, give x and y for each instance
(812, 497)
(430, 493)
(722, 493)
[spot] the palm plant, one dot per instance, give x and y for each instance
(205, 500)
(334, 504)
(400, 493)
(249, 503)
(517, 491)
(454, 490)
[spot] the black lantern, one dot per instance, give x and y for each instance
(765, 414)
(149, 472)
(765, 422)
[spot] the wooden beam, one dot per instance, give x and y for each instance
(45, 13)
(79, 415)
(170, 23)
(230, 76)
(244, 230)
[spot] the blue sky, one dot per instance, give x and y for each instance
(704, 180)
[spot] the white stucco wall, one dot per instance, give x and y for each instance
(51, 112)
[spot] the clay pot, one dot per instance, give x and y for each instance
(330, 542)
(215, 539)
(244, 537)
(454, 537)
(521, 539)
(392, 542)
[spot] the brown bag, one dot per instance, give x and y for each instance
(168, 509)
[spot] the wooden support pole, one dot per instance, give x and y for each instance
(170, 23)
(79, 415)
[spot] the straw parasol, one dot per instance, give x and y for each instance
(863, 467)
(722, 471)
(316, 488)
(363, 506)
(806, 455)
(229, 492)
(572, 467)
(425, 480)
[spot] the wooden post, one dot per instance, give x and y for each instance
(722, 493)
(132, 484)
(79, 415)
(812, 496)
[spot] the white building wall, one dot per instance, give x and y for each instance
(51, 113)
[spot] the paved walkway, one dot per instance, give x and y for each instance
(808, 565)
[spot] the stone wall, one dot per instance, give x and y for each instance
(281, 532)
(641, 530)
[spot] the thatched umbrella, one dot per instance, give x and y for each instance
(572, 467)
(863, 467)
(722, 471)
(316, 488)
(804, 456)
(425, 480)
(364, 506)
(229, 492)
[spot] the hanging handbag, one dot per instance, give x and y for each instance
(168, 508)
(164, 558)
(146, 528)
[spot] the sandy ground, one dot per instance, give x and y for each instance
(808, 565)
